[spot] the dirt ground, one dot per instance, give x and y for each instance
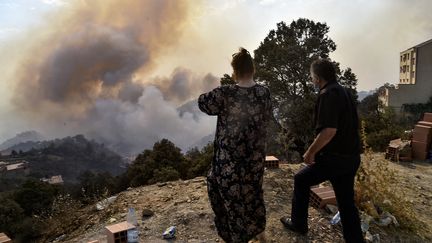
(184, 204)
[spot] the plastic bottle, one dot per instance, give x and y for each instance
(335, 219)
(132, 234)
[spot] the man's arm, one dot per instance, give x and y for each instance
(323, 138)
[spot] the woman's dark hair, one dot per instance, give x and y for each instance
(324, 69)
(242, 64)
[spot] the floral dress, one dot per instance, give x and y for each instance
(236, 175)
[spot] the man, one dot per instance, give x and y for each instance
(334, 155)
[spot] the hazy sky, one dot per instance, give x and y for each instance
(369, 34)
(168, 52)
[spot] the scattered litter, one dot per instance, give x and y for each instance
(335, 219)
(387, 202)
(365, 222)
(370, 209)
(331, 208)
(372, 238)
(368, 237)
(161, 184)
(101, 205)
(384, 222)
(132, 233)
(169, 232)
(386, 219)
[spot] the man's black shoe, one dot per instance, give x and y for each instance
(286, 221)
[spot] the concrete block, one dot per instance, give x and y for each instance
(427, 117)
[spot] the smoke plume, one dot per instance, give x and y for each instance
(89, 71)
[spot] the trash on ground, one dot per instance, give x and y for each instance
(331, 208)
(386, 219)
(372, 238)
(101, 205)
(169, 233)
(336, 219)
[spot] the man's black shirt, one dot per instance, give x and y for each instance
(335, 108)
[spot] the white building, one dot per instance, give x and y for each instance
(415, 78)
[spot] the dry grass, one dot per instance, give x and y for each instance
(376, 187)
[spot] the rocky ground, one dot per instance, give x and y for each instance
(185, 205)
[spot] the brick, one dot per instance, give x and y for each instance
(117, 233)
(419, 146)
(321, 196)
(422, 137)
(425, 123)
(271, 162)
(419, 155)
(4, 238)
(427, 117)
(392, 154)
(422, 129)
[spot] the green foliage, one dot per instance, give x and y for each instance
(93, 187)
(165, 161)
(226, 80)
(29, 230)
(383, 124)
(164, 174)
(283, 64)
(10, 214)
(416, 111)
(70, 157)
(349, 80)
(35, 197)
(199, 161)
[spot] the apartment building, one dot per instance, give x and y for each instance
(415, 78)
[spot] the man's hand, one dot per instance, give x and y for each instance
(320, 141)
(309, 158)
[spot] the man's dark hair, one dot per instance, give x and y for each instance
(324, 69)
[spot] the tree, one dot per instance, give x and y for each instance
(35, 197)
(349, 80)
(166, 154)
(381, 123)
(10, 214)
(199, 161)
(283, 64)
(95, 186)
(164, 161)
(226, 80)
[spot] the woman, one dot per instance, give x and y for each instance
(236, 175)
